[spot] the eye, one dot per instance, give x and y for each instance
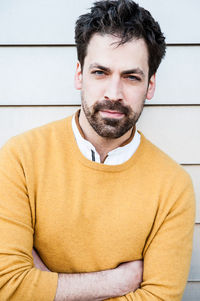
(133, 78)
(98, 72)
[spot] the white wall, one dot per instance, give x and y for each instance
(37, 62)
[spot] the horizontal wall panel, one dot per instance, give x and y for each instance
(192, 292)
(178, 76)
(14, 121)
(194, 274)
(37, 76)
(39, 21)
(52, 21)
(173, 129)
(179, 20)
(194, 171)
(45, 75)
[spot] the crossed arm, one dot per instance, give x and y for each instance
(96, 286)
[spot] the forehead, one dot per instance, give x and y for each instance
(106, 51)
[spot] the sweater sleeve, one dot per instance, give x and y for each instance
(19, 279)
(168, 249)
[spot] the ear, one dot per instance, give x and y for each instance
(151, 87)
(78, 77)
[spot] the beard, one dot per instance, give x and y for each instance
(111, 127)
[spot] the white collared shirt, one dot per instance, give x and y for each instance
(117, 156)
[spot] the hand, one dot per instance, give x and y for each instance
(129, 276)
(38, 262)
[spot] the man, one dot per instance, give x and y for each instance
(108, 214)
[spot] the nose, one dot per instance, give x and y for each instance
(113, 89)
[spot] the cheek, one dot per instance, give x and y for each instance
(135, 97)
(93, 92)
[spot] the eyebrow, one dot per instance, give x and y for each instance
(99, 67)
(125, 72)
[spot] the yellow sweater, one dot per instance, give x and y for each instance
(83, 216)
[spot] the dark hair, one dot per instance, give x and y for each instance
(125, 19)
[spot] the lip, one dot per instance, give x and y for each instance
(111, 114)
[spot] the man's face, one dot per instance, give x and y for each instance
(114, 84)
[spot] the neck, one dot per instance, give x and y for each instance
(102, 145)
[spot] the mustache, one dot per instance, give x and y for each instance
(111, 105)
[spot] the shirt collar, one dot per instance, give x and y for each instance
(117, 156)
